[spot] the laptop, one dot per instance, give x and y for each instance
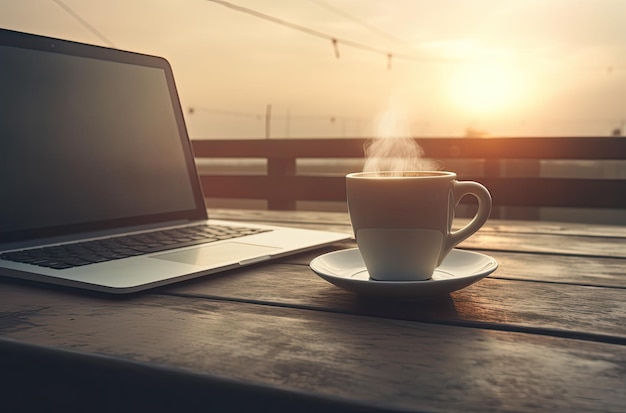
(99, 188)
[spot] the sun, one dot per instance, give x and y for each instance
(482, 88)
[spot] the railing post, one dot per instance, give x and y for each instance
(276, 168)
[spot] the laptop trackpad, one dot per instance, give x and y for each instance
(219, 254)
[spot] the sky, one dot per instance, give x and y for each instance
(444, 68)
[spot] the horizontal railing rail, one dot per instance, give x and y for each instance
(282, 185)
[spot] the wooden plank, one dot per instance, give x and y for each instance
(555, 192)
(337, 219)
(584, 271)
(547, 244)
(508, 303)
(285, 217)
(61, 380)
(279, 148)
(399, 364)
(277, 168)
(285, 188)
(506, 191)
(527, 192)
(516, 236)
(491, 238)
(526, 148)
(556, 228)
(461, 148)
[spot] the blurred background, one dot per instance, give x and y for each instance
(322, 68)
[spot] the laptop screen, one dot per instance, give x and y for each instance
(90, 138)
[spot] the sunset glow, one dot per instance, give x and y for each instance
(542, 68)
(486, 88)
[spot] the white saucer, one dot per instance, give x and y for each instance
(345, 269)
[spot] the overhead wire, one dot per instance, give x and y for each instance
(84, 22)
(358, 21)
(335, 41)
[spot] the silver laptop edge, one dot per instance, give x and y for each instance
(98, 147)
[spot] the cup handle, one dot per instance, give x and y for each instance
(462, 188)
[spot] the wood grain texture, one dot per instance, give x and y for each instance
(496, 235)
(479, 148)
(342, 219)
(400, 364)
(282, 186)
(547, 308)
(541, 268)
(505, 191)
(545, 332)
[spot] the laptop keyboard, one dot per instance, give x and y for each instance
(66, 256)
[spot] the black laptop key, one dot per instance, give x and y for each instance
(66, 256)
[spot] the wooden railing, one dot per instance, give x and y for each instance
(282, 185)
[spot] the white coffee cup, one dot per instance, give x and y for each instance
(402, 221)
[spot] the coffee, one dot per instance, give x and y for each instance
(403, 220)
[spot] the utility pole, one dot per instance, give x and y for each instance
(288, 122)
(268, 120)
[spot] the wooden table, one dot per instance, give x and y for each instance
(546, 331)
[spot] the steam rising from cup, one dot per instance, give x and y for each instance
(394, 149)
